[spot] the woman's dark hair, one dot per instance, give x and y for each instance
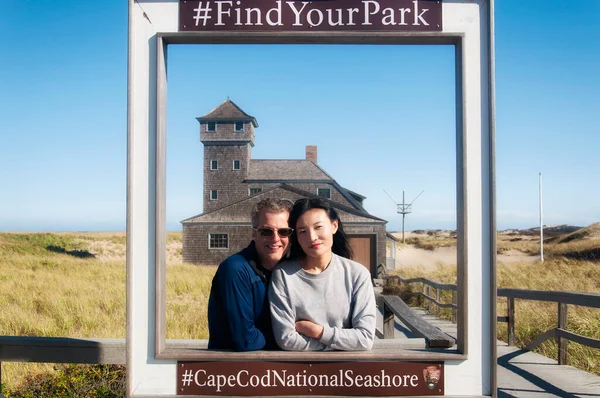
(341, 247)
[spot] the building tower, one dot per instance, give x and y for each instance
(227, 133)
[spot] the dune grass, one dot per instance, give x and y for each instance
(188, 287)
(73, 285)
(582, 244)
(430, 243)
(534, 317)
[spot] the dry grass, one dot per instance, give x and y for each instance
(505, 244)
(73, 285)
(188, 287)
(430, 242)
(579, 245)
(558, 273)
(533, 317)
(582, 244)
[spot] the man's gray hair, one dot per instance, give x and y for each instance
(271, 206)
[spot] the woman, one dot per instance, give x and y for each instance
(322, 300)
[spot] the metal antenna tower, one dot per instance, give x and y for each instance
(403, 208)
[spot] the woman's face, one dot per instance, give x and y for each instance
(315, 231)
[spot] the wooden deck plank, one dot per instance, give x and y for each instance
(527, 374)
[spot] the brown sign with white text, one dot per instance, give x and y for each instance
(323, 378)
(319, 15)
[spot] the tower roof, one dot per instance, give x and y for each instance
(229, 111)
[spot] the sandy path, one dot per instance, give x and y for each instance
(410, 256)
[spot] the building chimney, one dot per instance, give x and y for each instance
(311, 153)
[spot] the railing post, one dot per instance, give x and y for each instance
(510, 307)
(388, 322)
(429, 303)
(562, 342)
(437, 298)
(454, 308)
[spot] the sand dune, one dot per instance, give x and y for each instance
(410, 256)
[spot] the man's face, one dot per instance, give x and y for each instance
(271, 248)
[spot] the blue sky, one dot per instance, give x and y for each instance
(63, 116)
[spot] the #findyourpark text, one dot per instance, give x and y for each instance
(306, 15)
(315, 17)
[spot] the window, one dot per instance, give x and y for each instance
(236, 164)
(218, 241)
(214, 165)
(239, 126)
(211, 126)
(254, 191)
(214, 195)
(324, 192)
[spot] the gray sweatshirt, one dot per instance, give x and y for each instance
(341, 299)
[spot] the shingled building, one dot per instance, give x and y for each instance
(233, 182)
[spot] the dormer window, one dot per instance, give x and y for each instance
(324, 192)
(239, 127)
(211, 126)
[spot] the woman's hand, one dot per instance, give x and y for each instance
(309, 329)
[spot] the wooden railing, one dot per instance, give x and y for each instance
(112, 351)
(563, 299)
(61, 350)
(394, 307)
(431, 291)
(72, 350)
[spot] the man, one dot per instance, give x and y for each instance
(238, 306)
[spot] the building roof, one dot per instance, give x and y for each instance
(229, 111)
(356, 195)
(301, 170)
(238, 213)
(290, 170)
(356, 211)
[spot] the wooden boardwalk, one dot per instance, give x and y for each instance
(526, 374)
(530, 375)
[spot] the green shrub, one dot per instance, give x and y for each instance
(37, 243)
(73, 381)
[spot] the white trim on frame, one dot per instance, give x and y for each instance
(468, 26)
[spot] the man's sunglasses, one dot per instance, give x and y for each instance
(269, 232)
